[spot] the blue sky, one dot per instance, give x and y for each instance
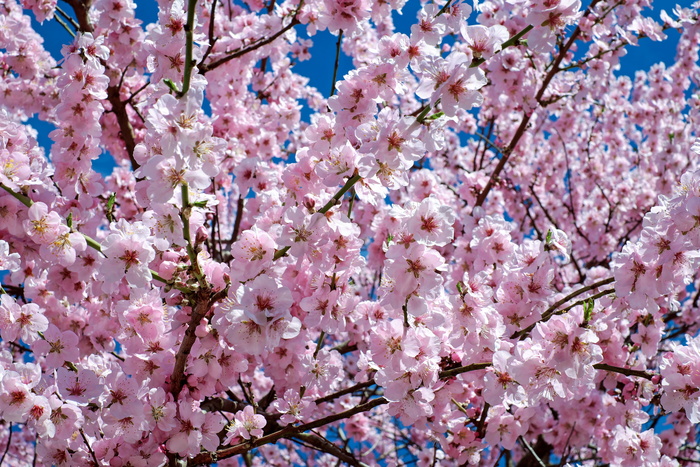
(323, 52)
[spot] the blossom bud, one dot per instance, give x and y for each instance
(309, 203)
(201, 236)
(203, 328)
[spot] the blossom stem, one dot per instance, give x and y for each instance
(351, 202)
(319, 344)
(444, 8)
(342, 392)
(460, 407)
(20, 197)
(189, 44)
(323, 445)
(349, 184)
(65, 26)
(581, 302)
(9, 443)
(68, 18)
(185, 216)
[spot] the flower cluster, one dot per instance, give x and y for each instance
(482, 244)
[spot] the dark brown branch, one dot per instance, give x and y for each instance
(623, 371)
(504, 158)
(240, 205)
(216, 404)
(481, 424)
(337, 62)
(549, 312)
(293, 431)
(526, 117)
(208, 457)
(81, 9)
(323, 445)
(126, 131)
(203, 303)
(345, 391)
(210, 33)
(21, 348)
(204, 67)
(463, 369)
(345, 347)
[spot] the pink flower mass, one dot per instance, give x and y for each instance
(475, 242)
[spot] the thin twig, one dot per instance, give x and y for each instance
(90, 450)
(345, 391)
(204, 68)
(67, 17)
(323, 445)
(337, 62)
(9, 442)
(526, 116)
(65, 26)
(532, 452)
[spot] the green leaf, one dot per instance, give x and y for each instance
(169, 83)
(110, 207)
(588, 310)
(460, 288)
(69, 220)
(435, 116)
(548, 240)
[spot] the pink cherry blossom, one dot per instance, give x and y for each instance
(246, 424)
(58, 346)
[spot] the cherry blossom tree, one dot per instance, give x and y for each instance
(481, 247)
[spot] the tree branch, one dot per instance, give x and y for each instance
(324, 445)
(204, 67)
(549, 312)
(208, 457)
(526, 116)
(203, 303)
(623, 371)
